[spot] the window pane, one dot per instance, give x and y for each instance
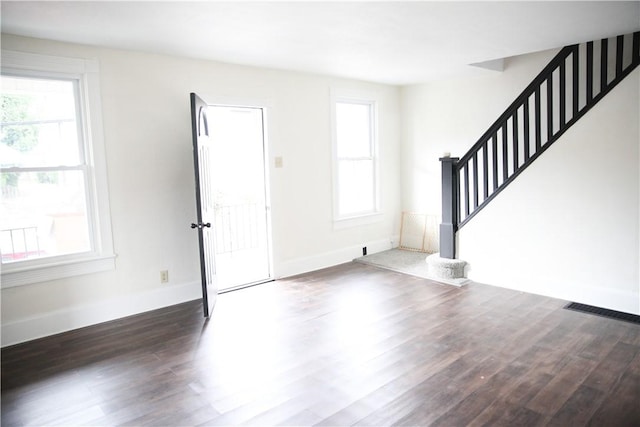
(43, 214)
(356, 187)
(353, 130)
(39, 125)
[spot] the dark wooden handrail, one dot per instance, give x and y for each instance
(526, 93)
(509, 139)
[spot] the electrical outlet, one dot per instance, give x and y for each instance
(164, 276)
(364, 250)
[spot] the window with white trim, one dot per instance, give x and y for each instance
(54, 213)
(355, 158)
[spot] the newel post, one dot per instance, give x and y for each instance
(449, 224)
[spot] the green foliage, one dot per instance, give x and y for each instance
(48, 177)
(9, 179)
(15, 109)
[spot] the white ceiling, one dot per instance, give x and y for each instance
(390, 42)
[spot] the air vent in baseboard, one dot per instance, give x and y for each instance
(604, 312)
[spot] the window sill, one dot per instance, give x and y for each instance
(57, 270)
(356, 221)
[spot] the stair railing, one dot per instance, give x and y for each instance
(565, 90)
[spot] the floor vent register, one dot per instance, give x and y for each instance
(612, 314)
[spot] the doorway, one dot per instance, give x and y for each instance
(239, 191)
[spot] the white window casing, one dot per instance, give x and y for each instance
(100, 256)
(354, 125)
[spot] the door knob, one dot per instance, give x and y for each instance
(201, 225)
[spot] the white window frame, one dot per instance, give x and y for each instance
(365, 217)
(101, 256)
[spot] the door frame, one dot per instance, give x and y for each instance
(266, 105)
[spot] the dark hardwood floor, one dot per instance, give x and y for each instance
(346, 345)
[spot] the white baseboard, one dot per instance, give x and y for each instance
(59, 321)
(612, 299)
(65, 320)
(329, 259)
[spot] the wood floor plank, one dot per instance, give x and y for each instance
(579, 408)
(486, 393)
(503, 413)
(612, 367)
(408, 393)
(562, 386)
(347, 345)
(622, 405)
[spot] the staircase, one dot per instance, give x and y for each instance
(575, 80)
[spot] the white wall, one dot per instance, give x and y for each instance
(450, 116)
(568, 227)
(149, 157)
